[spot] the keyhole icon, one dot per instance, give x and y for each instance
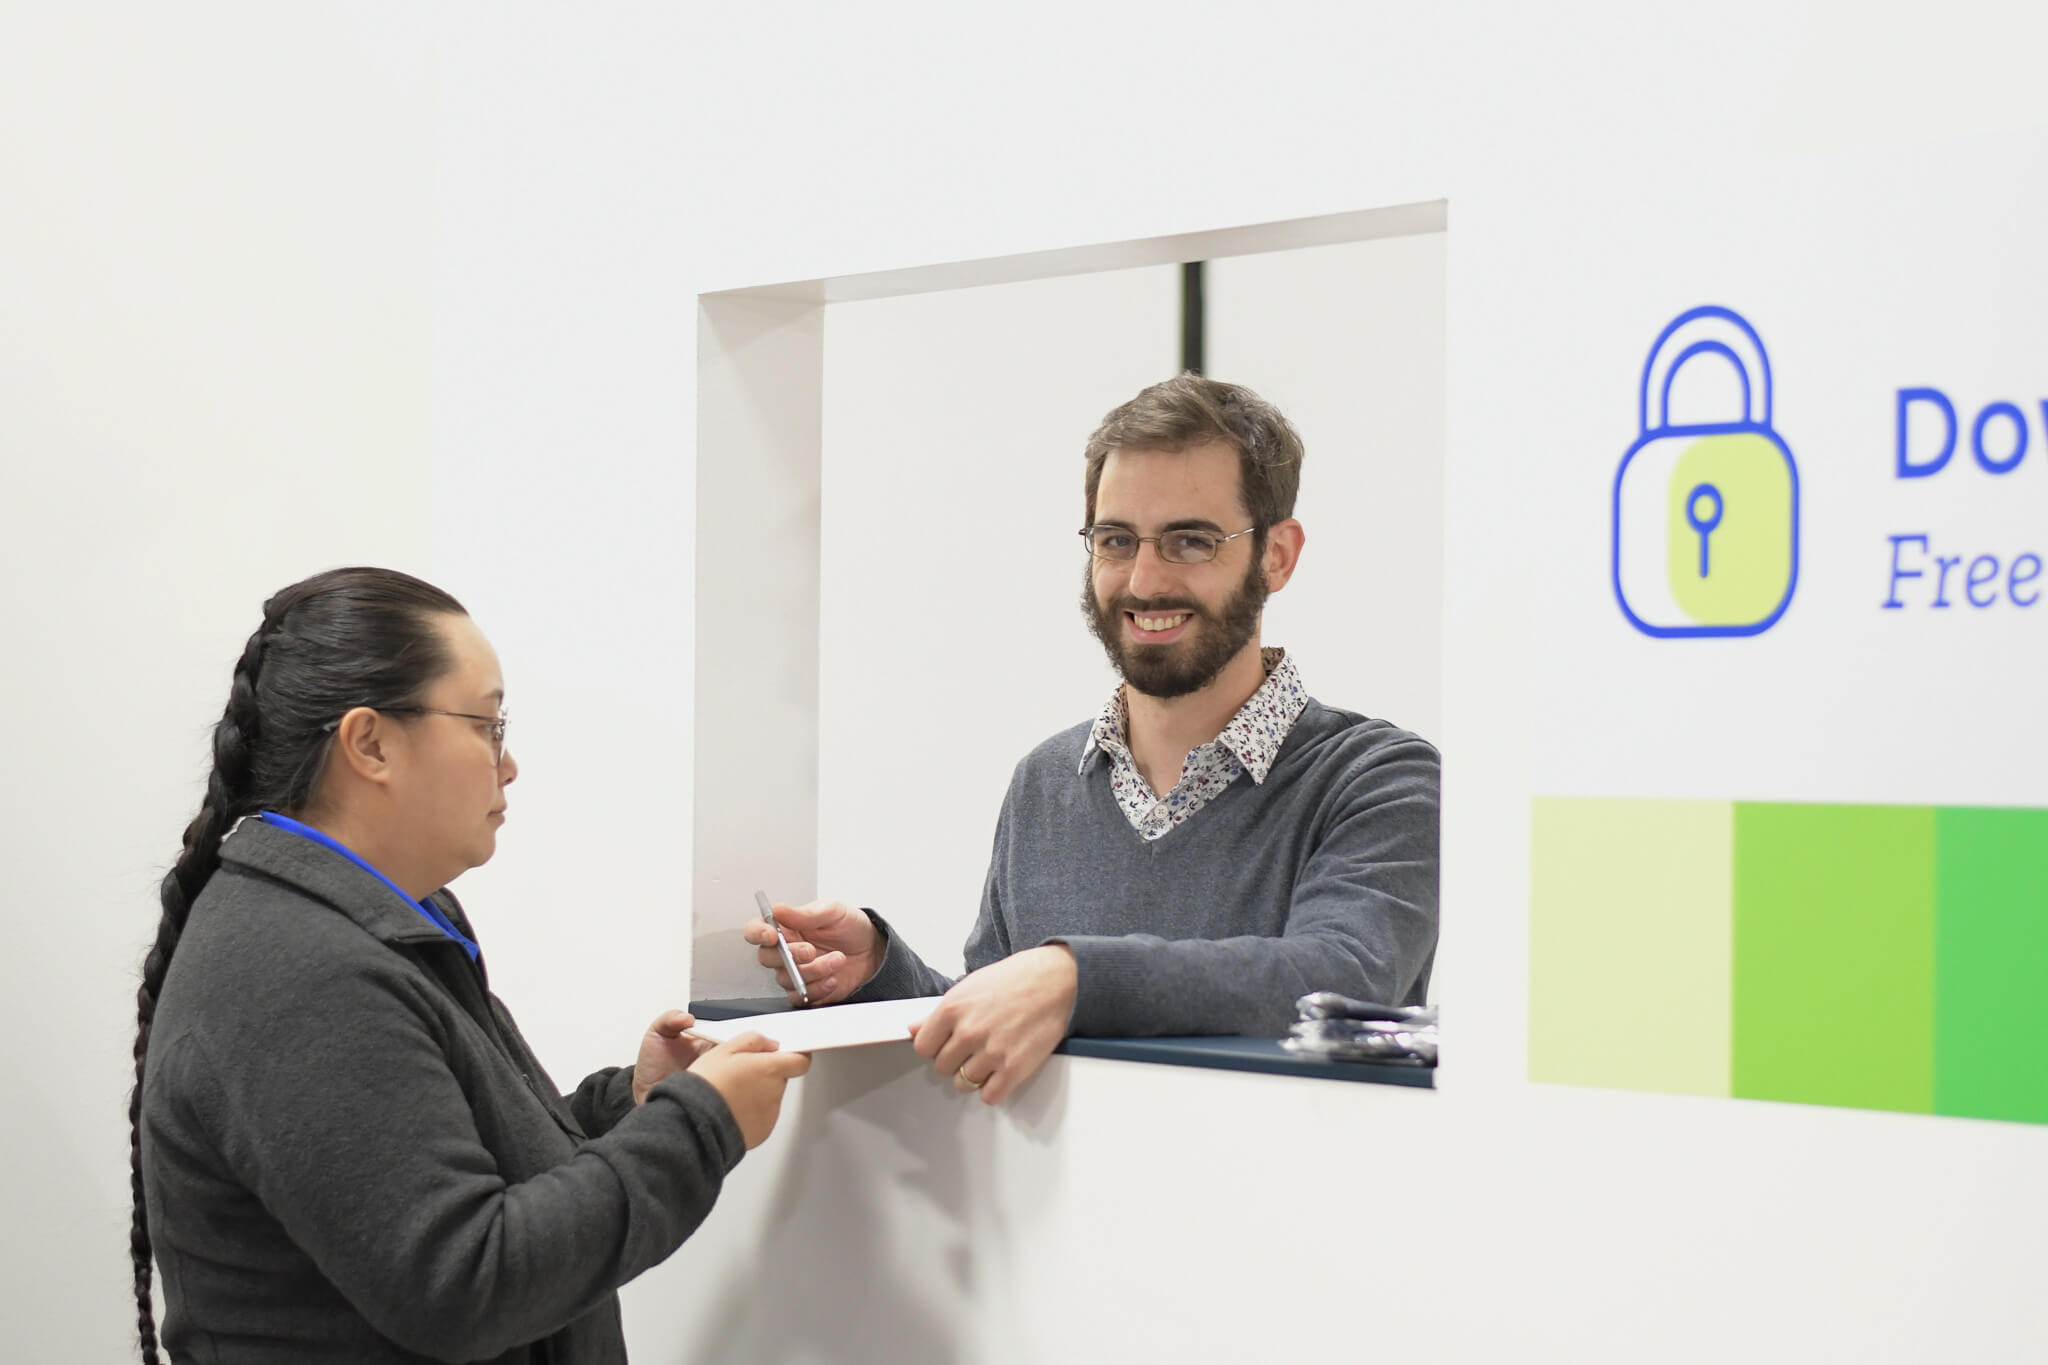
(1704, 524)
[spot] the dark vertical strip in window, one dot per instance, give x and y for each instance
(1194, 321)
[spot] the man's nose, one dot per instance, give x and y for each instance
(1150, 573)
(508, 769)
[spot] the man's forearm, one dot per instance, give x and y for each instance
(901, 974)
(1137, 985)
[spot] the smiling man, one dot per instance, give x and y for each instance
(1213, 845)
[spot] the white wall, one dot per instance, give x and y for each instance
(220, 226)
(1348, 340)
(216, 283)
(755, 760)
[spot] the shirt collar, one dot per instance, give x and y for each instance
(286, 849)
(1260, 726)
(1107, 734)
(1254, 734)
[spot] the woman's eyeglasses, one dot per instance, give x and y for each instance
(497, 723)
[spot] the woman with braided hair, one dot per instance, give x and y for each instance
(343, 1149)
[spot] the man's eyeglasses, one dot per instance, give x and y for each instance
(497, 723)
(1175, 547)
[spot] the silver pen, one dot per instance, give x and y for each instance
(781, 943)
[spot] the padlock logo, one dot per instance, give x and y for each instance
(1706, 515)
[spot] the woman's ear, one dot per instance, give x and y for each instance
(361, 743)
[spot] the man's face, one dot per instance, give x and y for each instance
(1171, 628)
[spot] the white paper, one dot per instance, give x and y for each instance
(828, 1026)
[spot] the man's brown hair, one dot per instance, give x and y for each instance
(1190, 410)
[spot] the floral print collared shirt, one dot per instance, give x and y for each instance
(1249, 744)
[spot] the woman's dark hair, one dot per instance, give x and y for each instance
(336, 641)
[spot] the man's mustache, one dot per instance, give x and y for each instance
(1157, 606)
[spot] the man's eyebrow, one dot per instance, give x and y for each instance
(1183, 524)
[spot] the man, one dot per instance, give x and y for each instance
(1212, 846)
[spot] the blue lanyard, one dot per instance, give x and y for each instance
(426, 908)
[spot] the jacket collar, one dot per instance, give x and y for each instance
(327, 876)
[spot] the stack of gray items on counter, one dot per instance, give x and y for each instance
(1337, 1028)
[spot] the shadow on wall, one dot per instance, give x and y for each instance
(867, 1249)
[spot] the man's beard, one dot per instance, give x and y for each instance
(1175, 670)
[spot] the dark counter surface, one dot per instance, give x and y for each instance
(1213, 1053)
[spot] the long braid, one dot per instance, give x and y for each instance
(227, 800)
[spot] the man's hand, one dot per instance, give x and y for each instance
(665, 1050)
(835, 946)
(997, 1026)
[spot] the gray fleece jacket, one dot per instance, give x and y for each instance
(350, 1154)
(1324, 877)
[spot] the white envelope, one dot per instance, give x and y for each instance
(828, 1026)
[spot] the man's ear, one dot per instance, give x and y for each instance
(360, 744)
(1283, 553)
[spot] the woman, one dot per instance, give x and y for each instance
(342, 1149)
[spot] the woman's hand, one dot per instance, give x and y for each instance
(666, 1049)
(750, 1075)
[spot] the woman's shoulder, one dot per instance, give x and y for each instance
(255, 948)
(245, 910)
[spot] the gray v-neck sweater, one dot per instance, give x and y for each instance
(1324, 877)
(350, 1154)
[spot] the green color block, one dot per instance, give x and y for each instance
(1991, 964)
(1834, 955)
(1629, 944)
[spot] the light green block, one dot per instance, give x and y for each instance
(1629, 943)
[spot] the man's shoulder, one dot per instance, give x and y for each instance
(1058, 754)
(1330, 737)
